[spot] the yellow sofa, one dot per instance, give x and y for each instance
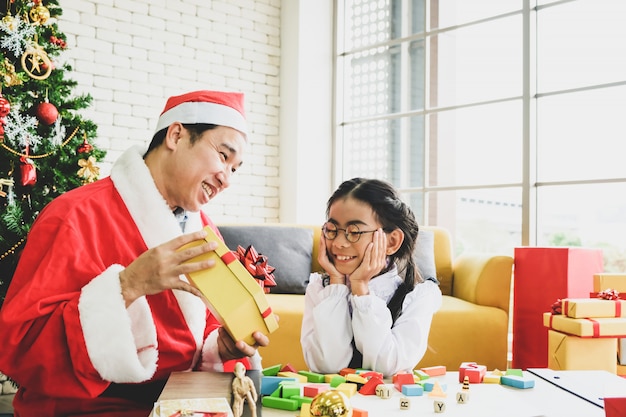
(471, 326)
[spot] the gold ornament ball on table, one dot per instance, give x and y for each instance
(331, 403)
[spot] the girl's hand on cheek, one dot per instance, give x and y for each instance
(374, 261)
(336, 277)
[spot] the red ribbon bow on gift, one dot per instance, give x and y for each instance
(557, 307)
(256, 265)
(609, 294)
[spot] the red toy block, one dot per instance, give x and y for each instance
(435, 370)
(288, 368)
(347, 371)
(475, 372)
(402, 378)
(311, 390)
(369, 388)
(370, 374)
(357, 412)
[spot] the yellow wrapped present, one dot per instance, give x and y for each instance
(566, 352)
(593, 307)
(587, 327)
(231, 293)
(605, 280)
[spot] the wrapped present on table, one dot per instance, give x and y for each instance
(593, 307)
(605, 280)
(621, 351)
(567, 352)
(231, 293)
(587, 327)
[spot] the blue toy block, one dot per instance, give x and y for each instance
(412, 390)
(430, 384)
(517, 381)
(269, 384)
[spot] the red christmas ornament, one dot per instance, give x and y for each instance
(47, 113)
(85, 147)
(5, 106)
(28, 171)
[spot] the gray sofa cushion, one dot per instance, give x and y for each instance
(288, 249)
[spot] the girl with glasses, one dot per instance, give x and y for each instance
(371, 308)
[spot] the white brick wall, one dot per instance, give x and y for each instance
(130, 55)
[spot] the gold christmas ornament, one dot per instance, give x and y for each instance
(39, 15)
(331, 403)
(88, 171)
(9, 22)
(36, 63)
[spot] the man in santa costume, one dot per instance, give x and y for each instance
(99, 312)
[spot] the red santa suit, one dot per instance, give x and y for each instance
(68, 339)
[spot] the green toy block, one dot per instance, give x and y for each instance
(312, 376)
(289, 390)
(337, 380)
(271, 370)
(301, 399)
(280, 403)
(515, 372)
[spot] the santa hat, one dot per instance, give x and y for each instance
(210, 107)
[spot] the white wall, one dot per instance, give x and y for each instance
(130, 55)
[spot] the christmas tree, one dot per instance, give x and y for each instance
(45, 145)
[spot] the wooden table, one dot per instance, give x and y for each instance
(546, 399)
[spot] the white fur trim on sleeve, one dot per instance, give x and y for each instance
(121, 342)
(211, 361)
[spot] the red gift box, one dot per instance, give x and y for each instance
(543, 275)
(615, 406)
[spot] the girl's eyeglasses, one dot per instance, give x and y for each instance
(352, 232)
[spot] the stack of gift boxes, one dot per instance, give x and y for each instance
(590, 333)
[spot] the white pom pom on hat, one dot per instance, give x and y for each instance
(211, 107)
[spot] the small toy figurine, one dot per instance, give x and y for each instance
(243, 390)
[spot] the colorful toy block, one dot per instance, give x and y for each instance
(357, 412)
(412, 390)
(271, 370)
(291, 390)
(329, 377)
(474, 371)
(402, 378)
(312, 376)
(420, 374)
(337, 380)
(356, 378)
(269, 384)
(435, 389)
(369, 388)
(311, 390)
(233, 296)
(493, 377)
(288, 368)
(280, 403)
(301, 399)
(434, 370)
(305, 410)
(294, 375)
(517, 381)
(346, 371)
(370, 374)
(347, 388)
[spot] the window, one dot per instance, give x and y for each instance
(501, 120)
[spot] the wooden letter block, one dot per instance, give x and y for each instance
(439, 406)
(383, 391)
(462, 397)
(405, 403)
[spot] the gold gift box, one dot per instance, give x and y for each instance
(590, 307)
(231, 293)
(586, 327)
(567, 352)
(609, 281)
